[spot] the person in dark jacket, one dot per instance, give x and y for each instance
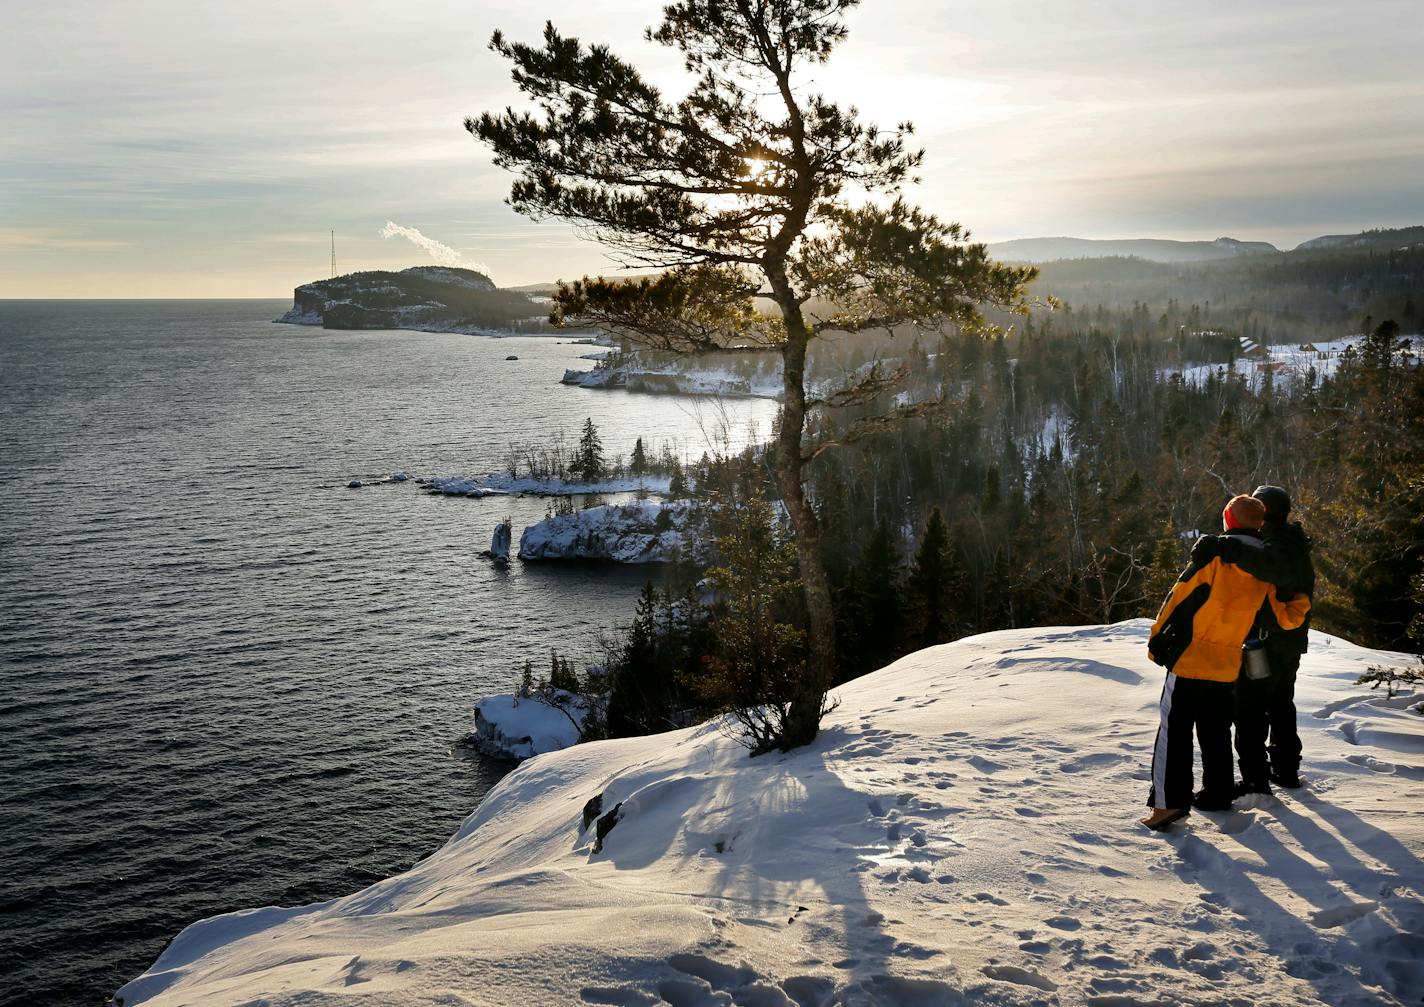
(1267, 741)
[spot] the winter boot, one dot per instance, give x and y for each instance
(1161, 818)
(1246, 787)
(1288, 778)
(1205, 800)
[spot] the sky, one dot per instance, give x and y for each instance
(189, 148)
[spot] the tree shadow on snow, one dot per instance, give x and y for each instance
(790, 856)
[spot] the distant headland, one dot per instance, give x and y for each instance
(429, 298)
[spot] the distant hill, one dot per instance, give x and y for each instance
(1379, 238)
(1151, 249)
(421, 297)
(1324, 289)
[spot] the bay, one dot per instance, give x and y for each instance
(228, 680)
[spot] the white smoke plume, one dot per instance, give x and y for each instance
(443, 254)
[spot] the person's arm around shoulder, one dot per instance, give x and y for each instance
(1266, 561)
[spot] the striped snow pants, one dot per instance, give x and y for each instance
(1189, 703)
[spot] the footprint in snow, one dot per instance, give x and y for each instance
(1233, 823)
(1340, 915)
(904, 992)
(616, 997)
(985, 765)
(1019, 976)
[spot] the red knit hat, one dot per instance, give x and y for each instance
(1243, 511)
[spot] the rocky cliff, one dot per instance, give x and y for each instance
(421, 297)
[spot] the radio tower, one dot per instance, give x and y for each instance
(333, 255)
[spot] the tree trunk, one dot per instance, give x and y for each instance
(804, 719)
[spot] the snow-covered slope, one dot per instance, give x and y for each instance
(963, 831)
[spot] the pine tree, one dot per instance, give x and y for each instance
(1168, 558)
(561, 673)
(677, 483)
(758, 658)
(635, 701)
(639, 463)
(587, 464)
(743, 189)
(879, 604)
(935, 583)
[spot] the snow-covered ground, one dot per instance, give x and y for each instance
(963, 831)
(1284, 362)
(640, 531)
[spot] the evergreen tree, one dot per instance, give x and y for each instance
(587, 464)
(561, 673)
(638, 703)
(677, 483)
(639, 463)
(882, 604)
(1169, 556)
(1369, 519)
(936, 581)
(758, 656)
(740, 189)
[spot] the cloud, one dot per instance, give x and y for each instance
(48, 239)
(441, 253)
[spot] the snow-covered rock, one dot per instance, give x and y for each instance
(642, 531)
(683, 379)
(520, 727)
(499, 542)
(461, 486)
(495, 483)
(963, 831)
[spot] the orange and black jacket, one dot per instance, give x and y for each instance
(1210, 611)
(1285, 562)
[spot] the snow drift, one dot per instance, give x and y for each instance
(963, 831)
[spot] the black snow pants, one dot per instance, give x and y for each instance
(1189, 703)
(1266, 735)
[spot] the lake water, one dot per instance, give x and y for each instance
(229, 681)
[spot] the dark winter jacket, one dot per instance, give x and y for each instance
(1284, 560)
(1211, 610)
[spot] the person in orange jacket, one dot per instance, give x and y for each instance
(1198, 637)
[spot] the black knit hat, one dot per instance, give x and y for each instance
(1277, 501)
